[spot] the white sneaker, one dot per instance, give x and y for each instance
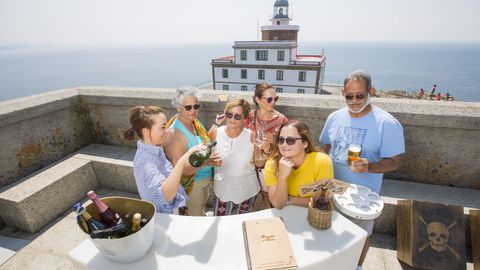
(359, 268)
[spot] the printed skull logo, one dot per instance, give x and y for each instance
(438, 236)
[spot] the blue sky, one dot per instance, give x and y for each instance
(149, 22)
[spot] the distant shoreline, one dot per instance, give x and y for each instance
(336, 89)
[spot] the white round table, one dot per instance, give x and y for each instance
(183, 242)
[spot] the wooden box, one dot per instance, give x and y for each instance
(475, 235)
(431, 235)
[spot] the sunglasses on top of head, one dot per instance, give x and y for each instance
(235, 116)
(189, 107)
(289, 140)
(358, 97)
(270, 99)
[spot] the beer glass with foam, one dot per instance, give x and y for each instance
(354, 151)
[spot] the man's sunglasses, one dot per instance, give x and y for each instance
(289, 140)
(270, 99)
(189, 107)
(236, 116)
(358, 97)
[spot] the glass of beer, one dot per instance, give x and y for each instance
(354, 151)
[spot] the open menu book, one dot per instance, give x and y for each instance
(267, 245)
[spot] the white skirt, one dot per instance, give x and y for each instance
(236, 188)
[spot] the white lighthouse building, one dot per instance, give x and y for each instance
(274, 59)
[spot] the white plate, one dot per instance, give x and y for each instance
(359, 202)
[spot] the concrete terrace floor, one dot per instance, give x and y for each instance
(49, 248)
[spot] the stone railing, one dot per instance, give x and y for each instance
(442, 138)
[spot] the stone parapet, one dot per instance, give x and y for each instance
(441, 137)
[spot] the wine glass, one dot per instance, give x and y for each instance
(260, 135)
(260, 138)
(218, 170)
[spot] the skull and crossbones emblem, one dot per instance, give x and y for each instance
(438, 234)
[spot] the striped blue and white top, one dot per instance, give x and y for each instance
(151, 168)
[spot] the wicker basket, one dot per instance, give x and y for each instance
(321, 220)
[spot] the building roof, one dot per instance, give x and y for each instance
(315, 58)
(281, 3)
(225, 59)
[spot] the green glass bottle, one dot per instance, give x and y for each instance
(136, 222)
(86, 221)
(199, 157)
(117, 231)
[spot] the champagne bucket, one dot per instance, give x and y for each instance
(133, 247)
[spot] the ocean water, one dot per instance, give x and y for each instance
(455, 68)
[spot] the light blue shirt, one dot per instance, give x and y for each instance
(151, 168)
(379, 134)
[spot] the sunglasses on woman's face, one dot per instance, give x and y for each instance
(236, 116)
(357, 97)
(189, 107)
(289, 140)
(270, 99)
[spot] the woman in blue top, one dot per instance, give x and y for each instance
(187, 133)
(157, 180)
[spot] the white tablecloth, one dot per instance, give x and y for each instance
(183, 242)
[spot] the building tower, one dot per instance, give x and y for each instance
(280, 29)
(273, 60)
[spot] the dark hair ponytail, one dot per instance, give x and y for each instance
(140, 117)
(129, 134)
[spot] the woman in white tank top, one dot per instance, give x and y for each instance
(235, 192)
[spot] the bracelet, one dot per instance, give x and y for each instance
(289, 202)
(215, 123)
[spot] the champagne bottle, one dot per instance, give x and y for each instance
(108, 216)
(117, 231)
(136, 222)
(323, 203)
(143, 222)
(86, 221)
(199, 157)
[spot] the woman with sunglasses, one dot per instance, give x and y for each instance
(237, 189)
(187, 133)
(157, 180)
(294, 162)
(265, 117)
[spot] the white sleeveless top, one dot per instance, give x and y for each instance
(239, 178)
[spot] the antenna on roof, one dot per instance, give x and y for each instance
(258, 30)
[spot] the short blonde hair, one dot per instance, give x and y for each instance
(239, 102)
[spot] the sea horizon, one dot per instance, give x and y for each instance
(27, 69)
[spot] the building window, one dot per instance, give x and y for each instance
(261, 74)
(279, 75)
(261, 55)
(279, 90)
(243, 55)
(244, 88)
(243, 74)
(300, 91)
(302, 76)
(225, 87)
(280, 55)
(224, 73)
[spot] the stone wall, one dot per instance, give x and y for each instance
(38, 130)
(441, 137)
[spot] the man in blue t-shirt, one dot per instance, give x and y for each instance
(378, 133)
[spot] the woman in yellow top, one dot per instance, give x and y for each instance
(294, 162)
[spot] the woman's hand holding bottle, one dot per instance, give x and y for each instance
(184, 159)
